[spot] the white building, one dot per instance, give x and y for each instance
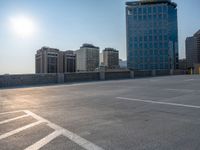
(87, 58)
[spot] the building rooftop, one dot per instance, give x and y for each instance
(86, 45)
(197, 33)
(45, 48)
(110, 49)
(148, 2)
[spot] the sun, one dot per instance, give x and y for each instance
(23, 26)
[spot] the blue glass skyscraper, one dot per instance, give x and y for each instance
(152, 35)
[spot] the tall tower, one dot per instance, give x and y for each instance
(152, 35)
(192, 45)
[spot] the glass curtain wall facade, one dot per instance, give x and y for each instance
(152, 35)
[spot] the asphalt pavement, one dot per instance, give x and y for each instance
(160, 113)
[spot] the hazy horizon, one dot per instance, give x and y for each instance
(66, 25)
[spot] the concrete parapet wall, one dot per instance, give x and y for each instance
(117, 75)
(41, 79)
(140, 74)
(27, 79)
(162, 72)
(179, 72)
(74, 77)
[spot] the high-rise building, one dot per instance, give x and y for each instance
(193, 50)
(111, 58)
(69, 61)
(152, 35)
(87, 58)
(48, 60)
(51, 60)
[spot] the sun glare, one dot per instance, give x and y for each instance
(23, 26)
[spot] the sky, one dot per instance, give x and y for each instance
(67, 24)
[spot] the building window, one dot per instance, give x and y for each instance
(140, 11)
(135, 10)
(149, 17)
(130, 12)
(144, 17)
(155, 45)
(145, 38)
(154, 9)
(164, 9)
(159, 9)
(149, 10)
(140, 18)
(144, 10)
(150, 38)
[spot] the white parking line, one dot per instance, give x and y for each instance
(12, 119)
(181, 90)
(161, 103)
(19, 130)
(44, 141)
(81, 141)
(72, 136)
(57, 132)
(11, 112)
(187, 80)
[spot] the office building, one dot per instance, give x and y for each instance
(152, 35)
(111, 58)
(48, 60)
(87, 58)
(51, 60)
(192, 45)
(69, 61)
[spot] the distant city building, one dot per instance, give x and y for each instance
(47, 60)
(87, 58)
(51, 60)
(152, 35)
(183, 64)
(111, 58)
(69, 61)
(101, 59)
(197, 68)
(122, 63)
(193, 50)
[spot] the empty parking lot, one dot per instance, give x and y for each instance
(141, 114)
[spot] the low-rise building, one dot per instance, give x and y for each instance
(52, 60)
(69, 61)
(48, 60)
(87, 58)
(111, 58)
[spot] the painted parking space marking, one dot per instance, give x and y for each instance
(19, 130)
(181, 90)
(157, 102)
(188, 80)
(12, 119)
(58, 131)
(11, 112)
(44, 141)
